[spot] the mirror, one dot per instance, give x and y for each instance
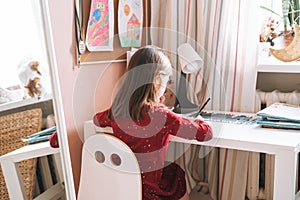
(27, 41)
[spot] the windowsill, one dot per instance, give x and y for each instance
(271, 64)
(25, 102)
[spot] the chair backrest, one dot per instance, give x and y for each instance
(109, 170)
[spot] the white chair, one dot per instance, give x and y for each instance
(109, 170)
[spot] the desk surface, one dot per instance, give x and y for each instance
(250, 138)
(241, 136)
(284, 144)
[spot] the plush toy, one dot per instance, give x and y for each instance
(34, 87)
(292, 51)
(31, 79)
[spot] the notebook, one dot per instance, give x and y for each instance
(280, 115)
(281, 111)
(278, 124)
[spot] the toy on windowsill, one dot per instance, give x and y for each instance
(31, 79)
(34, 87)
(292, 51)
(289, 38)
(268, 33)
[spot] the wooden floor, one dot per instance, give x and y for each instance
(195, 195)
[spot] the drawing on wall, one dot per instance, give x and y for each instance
(100, 28)
(130, 22)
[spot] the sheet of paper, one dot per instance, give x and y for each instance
(100, 29)
(130, 22)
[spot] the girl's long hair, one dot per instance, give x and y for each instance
(137, 85)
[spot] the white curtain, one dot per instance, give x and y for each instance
(225, 34)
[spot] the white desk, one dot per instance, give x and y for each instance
(13, 177)
(284, 144)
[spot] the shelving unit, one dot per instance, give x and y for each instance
(42, 151)
(274, 74)
(9, 164)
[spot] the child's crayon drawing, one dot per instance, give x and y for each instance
(130, 18)
(100, 26)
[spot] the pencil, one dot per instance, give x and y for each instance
(203, 106)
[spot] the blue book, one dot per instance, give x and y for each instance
(47, 131)
(280, 115)
(38, 139)
(278, 124)
(282, 112)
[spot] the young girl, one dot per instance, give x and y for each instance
(139, 119)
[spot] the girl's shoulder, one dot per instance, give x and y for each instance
(159, 107)
(164, 109)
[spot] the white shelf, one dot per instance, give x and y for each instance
(271, 64)
(11, 173)
(279, 68)
(26, 102)
(30, 151)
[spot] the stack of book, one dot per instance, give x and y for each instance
(41, 136)
(280, 115)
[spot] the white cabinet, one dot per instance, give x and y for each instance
(274, 74)
(277, 81)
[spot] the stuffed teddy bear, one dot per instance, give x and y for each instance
(31, 78)
(34, 87)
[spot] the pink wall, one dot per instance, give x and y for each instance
(85, 89)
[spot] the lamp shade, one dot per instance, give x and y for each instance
(189, 59)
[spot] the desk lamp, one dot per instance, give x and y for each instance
(190, 62)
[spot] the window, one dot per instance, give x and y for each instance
(268, 16)
(276, 32)
(21, 39)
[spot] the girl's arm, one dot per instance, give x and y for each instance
(101, 119)
(189, 128)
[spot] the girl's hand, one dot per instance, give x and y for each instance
(162, 99)
(199, 117)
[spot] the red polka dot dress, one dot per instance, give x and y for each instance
(149, 140)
